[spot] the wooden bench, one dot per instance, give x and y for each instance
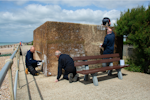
(79, 61)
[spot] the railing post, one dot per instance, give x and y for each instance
(19, 54)
(17, 58)
(17, 61)
(10, 80)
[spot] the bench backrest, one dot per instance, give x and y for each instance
(114, 57)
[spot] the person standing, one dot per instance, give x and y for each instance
(108, 46)
(20, 43)
(109, 42)
(66, 62)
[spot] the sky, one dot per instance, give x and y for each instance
(19, 18)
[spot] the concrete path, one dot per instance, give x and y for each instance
(134, 86)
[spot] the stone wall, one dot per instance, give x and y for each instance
(70, 38)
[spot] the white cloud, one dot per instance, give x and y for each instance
(108, 4)
(146, 7)
(37, 14)
(19, 24)
(24, 21)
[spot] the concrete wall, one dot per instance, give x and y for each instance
(128, 50)
(70, 38)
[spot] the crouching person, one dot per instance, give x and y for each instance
(66, 62)
(31, 64)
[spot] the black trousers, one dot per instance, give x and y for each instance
(32, 70)
(68, 71)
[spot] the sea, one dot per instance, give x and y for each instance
(7, 43)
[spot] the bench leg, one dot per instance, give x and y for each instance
(95, 80)
(110, 71)
(86, 77)
(119, 73)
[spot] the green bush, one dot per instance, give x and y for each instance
(133, 67)
(30, 43)
(135, 24)
(124, 42)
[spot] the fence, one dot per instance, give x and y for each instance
(7, 68)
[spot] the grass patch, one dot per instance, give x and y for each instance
(5, 55)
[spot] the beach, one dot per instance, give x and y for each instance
(7, 49)
(5, 89)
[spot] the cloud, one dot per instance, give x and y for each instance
(146, 7)
(108, 4)
(20, 24)
(34, 13)
(24, 21)
(21, 2)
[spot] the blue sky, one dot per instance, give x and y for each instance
(19, 18)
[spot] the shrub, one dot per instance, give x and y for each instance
(135, 23)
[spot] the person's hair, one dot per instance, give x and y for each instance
(57, 52)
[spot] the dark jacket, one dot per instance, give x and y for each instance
(65, 62)
(108, 44)
(29, 60)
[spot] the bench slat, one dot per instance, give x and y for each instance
(96, 57)
(91, 71)
(96, 61)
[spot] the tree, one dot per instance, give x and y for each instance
(135, 24)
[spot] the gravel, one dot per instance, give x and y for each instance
(5, 88)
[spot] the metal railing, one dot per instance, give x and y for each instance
(7, 68)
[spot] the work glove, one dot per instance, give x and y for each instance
(36, 74)
(39, 63)
(26, 71)
(100, 45)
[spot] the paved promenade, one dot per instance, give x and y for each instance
(134, 86)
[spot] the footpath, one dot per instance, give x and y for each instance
(134, 86)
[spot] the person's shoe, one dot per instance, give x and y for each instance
(109, 74)
(26, 71)
(70, 77)
(36, 74)
(76, 78)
